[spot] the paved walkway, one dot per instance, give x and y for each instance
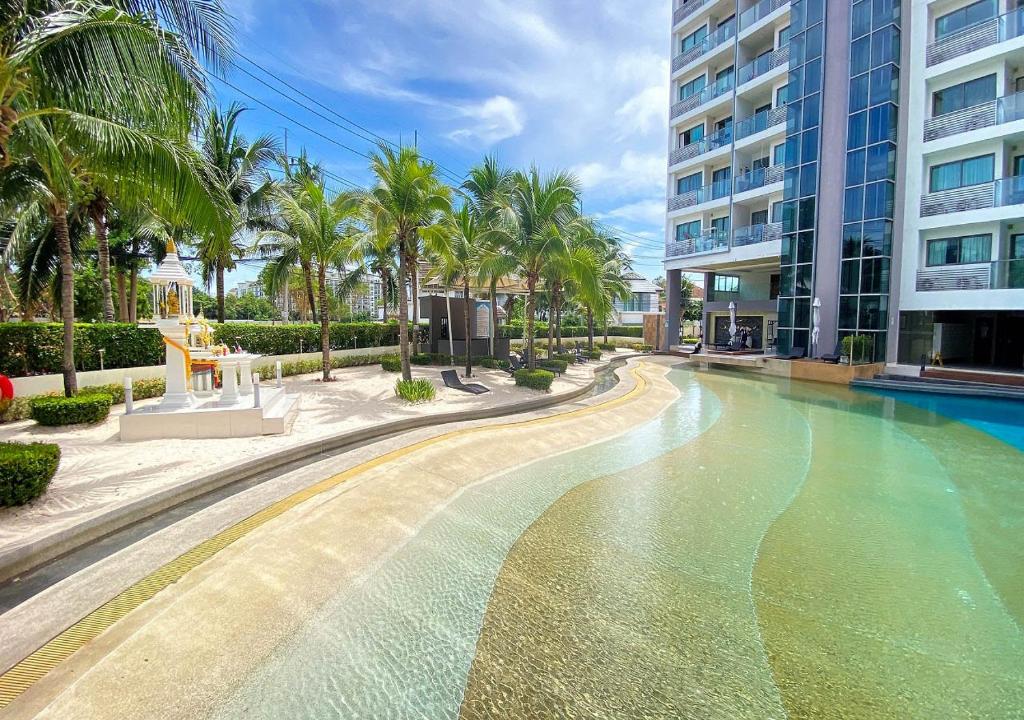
(99, 473)
(179, 654)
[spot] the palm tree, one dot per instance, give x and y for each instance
(326, 228)
(610, 269)
(543, 208)
(407, 199)
(67, 122)
(239, 170)
(489, 187)
(457, 246)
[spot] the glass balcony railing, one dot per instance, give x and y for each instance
(1009, 191)
(688, 198)
(977, 36)
(756, 234)
(760, 121)
(762, 10)
(722, 138)
(719, 36)
(710, 241)
(762, 65)
(1007, 275)
(994, 112)
(706, 95)
(759, 177)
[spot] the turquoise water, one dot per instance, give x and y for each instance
(762, 549)
(1003, 419)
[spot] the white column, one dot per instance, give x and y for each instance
(176, 395)
(245, 371)
(229, 383)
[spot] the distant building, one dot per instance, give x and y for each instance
(249, 287)
(644, 299)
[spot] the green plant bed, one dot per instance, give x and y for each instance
(535, 379)
(610, 347)
(565, 357)
(415, 391)
(26, 471)
(391, 363)
(641, 347)
(556, 366)
(492, 363)
(592, 354)
(88, 408)
(690, 341)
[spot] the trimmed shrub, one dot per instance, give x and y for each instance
(422, 359)
(690, 340)
(55, 411)
(391, 363)
(534, 379)
(141, 390)
(592, 354)
(492, 363)
(289, 339)
(610, 346)
(38, 348)
(565, 357)
(26, 471)
(416, 390)
(640, 347)
(556, 366)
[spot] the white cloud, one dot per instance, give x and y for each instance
(493, 120)
(634, 172)
(648, 212)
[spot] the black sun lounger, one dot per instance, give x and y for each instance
(794, 354)
(451, 379)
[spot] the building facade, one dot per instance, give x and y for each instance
(643, 300)
(851, 168)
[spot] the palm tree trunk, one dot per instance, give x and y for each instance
(98, 210)
(451, 335)
(558, 319)
(307, 274)
(590, 328)
(8, 302)
(413, 279)
(403, 318)
(551, 323)
(122, 298)
(606, 331)
(469, 340)
(133, 285)
(58, 214)
(325, 323)
(494, 313)
(386, 290)
(531, 304)
(220, 291)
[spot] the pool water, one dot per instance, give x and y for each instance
(763, 549)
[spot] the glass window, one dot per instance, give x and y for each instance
(781, 95)
(779, 154)
(881, 162)
(812, 43)
(687, 230)
(859, 93)
(884, 84)
(849, 277)
(878, 200)
(848, 312)
(861, 22)
(777, 216)
(851, 240)
(877, 238)
(885, 46)
(784, 34)
(727, 283)
(694, 39)
(809, 180)
(805, 215)
(812, 111)
(965, 17)
(853, 204)
(759, 217)
(720, 225)
(960, 250)
(693, 87)
(802, 313)
(964, 95)
(805, 247)
(860, 55)
(874, 276)
(855, 167)
(962, 173)
(882, 122)
(694, 134)
(873, 312)
(689, 183)
(856, 130)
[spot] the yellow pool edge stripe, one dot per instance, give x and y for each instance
(23, 675)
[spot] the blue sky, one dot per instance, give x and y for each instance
(576, 84)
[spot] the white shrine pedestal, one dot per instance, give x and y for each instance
(231, 366)
(177, 395)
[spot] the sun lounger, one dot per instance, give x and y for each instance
(794, 354)
(834, 356)
(451, 379)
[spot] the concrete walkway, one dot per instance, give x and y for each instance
(99, 474)
(207, 631)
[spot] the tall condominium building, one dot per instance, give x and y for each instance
(858, 161)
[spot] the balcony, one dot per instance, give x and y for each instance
(759, 177)
(759, 122)
(690, 198)
(712, 142)
(762, 10)
(719, 36)
(704, 96)
(706, 243)
(998, 275)
(978, 36)
(688, 8)
(762, 65)
(756, 234)
(994, 112)
(999, 193)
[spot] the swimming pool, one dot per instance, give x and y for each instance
(762, 549)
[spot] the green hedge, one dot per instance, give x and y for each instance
(290, 339)
(391, 363)
(640, 347)
(26, 471)
(610, 346)
(492, 363)
(592, 354)
(57, 411)
(534, 379)
(305, 367)
(38, 348)
(416, 390)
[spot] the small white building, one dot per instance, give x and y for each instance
(644, 299)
